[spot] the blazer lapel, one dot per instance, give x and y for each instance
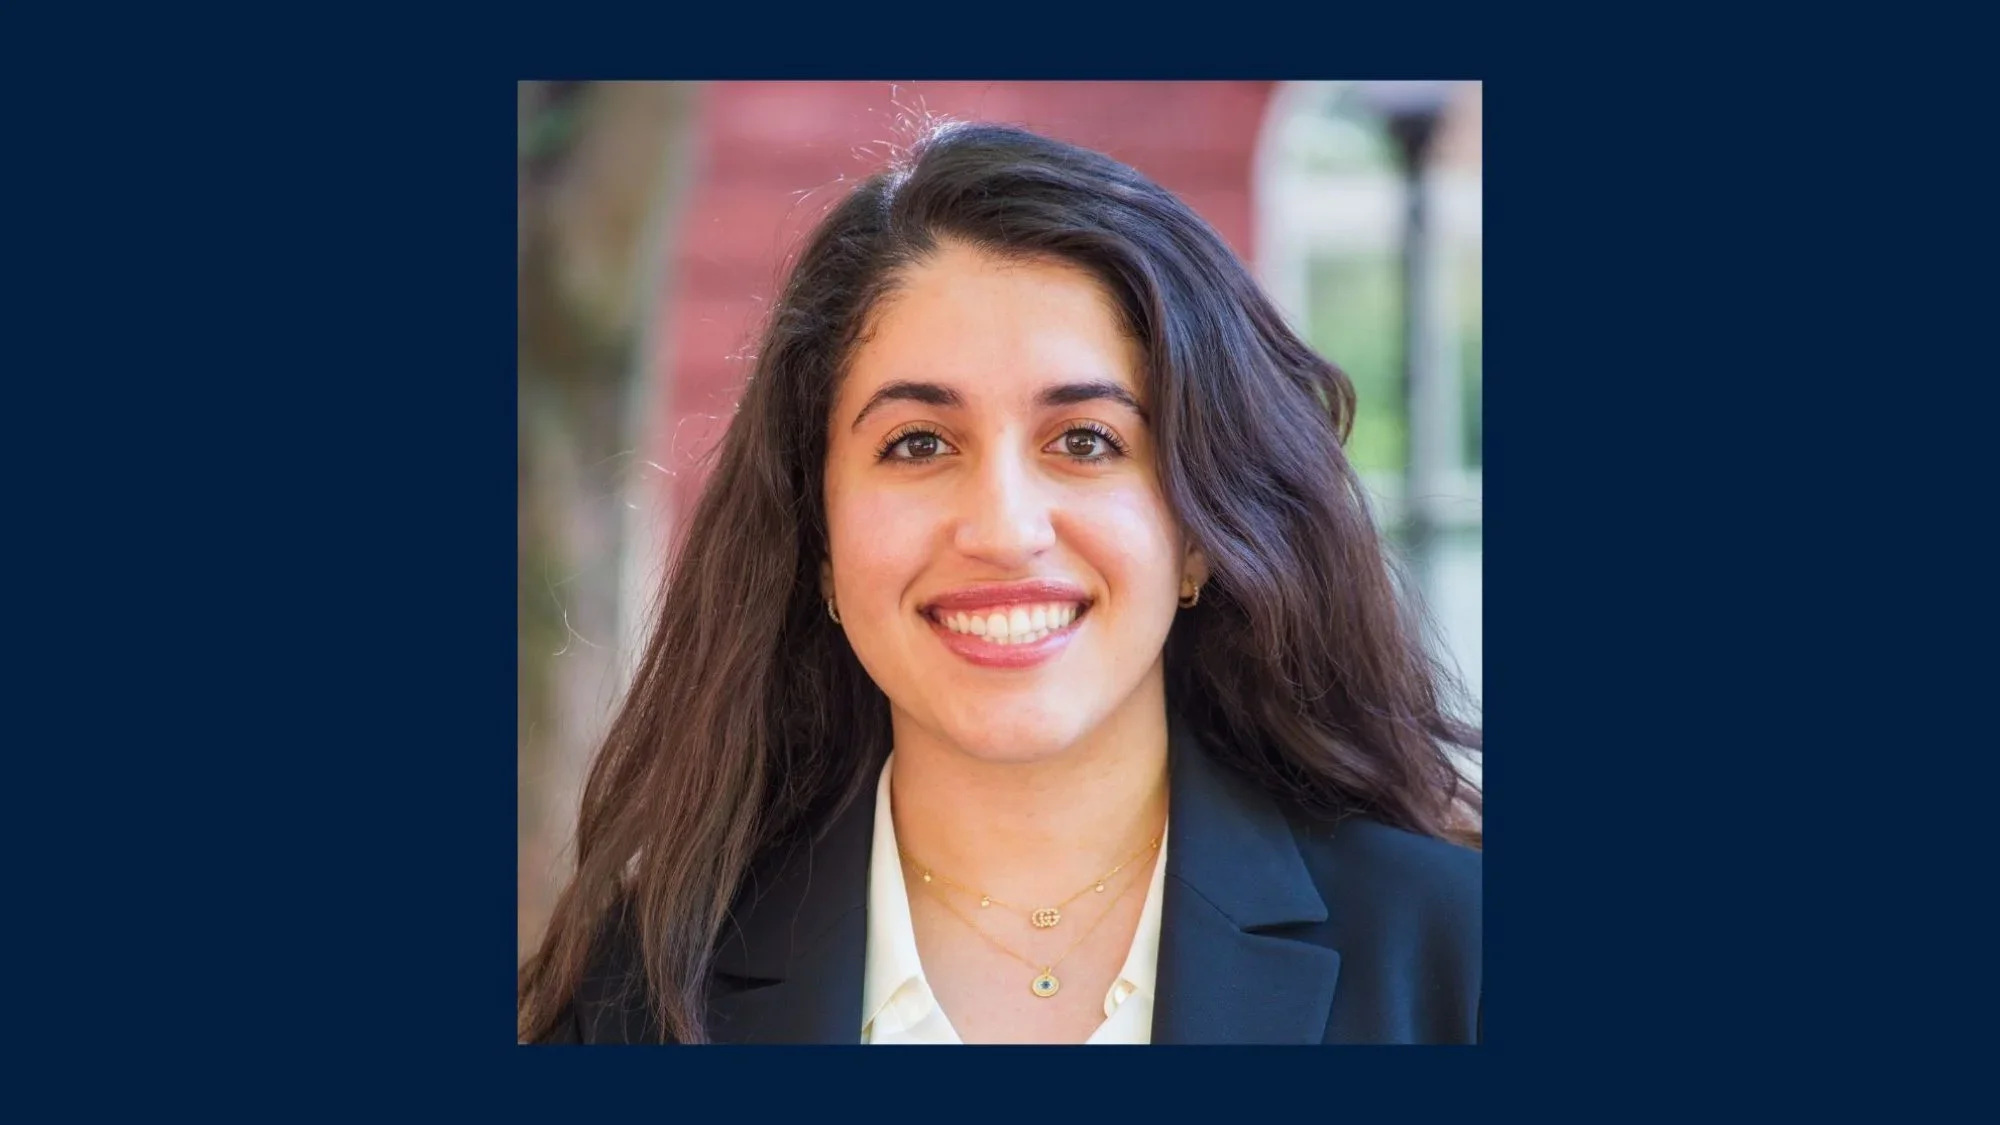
(1233, 870)
(790, 969)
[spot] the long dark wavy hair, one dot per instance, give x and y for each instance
(750, 722)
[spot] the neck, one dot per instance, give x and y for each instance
(1032, 831)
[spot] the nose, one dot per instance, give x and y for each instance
(1004, 513)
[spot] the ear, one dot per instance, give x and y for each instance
(1195, 569)
(825, 579)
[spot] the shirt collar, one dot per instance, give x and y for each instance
(894, 973)
(1142, 961)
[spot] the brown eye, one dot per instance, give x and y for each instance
(914, 445)
(1087, 443)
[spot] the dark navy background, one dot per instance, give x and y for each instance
(263, 433)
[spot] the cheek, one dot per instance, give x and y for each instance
(1128, 535)
(881, 541)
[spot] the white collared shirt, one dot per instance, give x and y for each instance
(898, 1006)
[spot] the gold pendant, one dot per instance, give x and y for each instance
(1045, 985)
(1045, 917)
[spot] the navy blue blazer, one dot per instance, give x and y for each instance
(1277, 927)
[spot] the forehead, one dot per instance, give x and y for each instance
(991, 326)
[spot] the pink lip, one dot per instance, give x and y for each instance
(1025, 592)
(985, 653)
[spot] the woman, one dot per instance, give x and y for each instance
(1031, 670)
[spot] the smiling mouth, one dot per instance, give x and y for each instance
(1007, 625)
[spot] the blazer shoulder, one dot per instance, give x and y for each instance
(1405, 911)
(1410, 852)
(1359, 858)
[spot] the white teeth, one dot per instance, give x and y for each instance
(1023, 624)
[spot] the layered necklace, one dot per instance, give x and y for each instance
(1041, 917)
(1045, 983)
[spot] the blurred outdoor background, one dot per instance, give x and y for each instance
(654, 219)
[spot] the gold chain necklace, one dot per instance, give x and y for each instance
(1041, 918)
(1045, 983)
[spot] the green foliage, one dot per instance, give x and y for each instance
(1357, 322)
(549, 126)
(1356, 318)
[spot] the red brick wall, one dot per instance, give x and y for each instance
(770, 156)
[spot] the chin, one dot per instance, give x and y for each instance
(1008, 733)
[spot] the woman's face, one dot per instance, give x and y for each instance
(1004, 563)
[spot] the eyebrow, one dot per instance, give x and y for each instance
(939, 395)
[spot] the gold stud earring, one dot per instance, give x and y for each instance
(832, 611)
